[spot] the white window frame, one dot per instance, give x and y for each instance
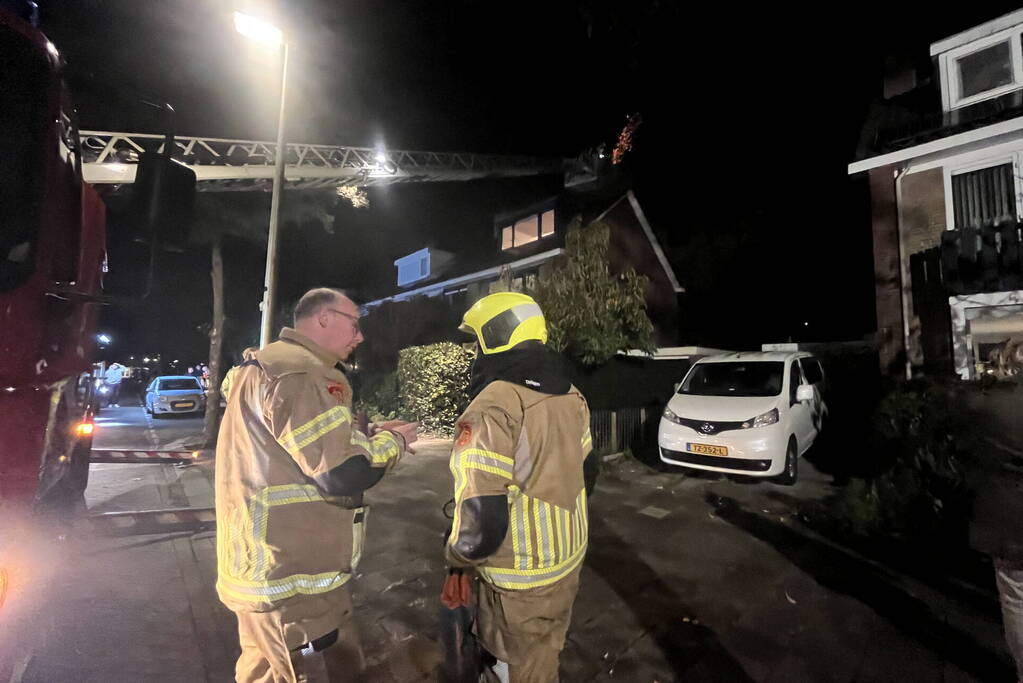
(950, 83)
(1015, 158)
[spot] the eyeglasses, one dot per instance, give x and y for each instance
(354, 319)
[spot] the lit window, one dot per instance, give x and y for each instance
(547, 223)
(526, 231)
(985, 70)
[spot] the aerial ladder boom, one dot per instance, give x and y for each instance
(219, 164)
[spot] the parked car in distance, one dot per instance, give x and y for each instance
(752, 414)
(169, 394)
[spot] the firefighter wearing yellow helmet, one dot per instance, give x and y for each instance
(520, 501)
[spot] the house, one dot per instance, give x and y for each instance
(944, 152)
(527, 243)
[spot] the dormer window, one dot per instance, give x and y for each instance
(975, 68)
(413, 268)
(985, 70)
(528, 229)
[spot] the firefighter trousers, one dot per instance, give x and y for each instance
(525, 629)
(267, 658)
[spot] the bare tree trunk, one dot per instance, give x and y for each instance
(216, 343)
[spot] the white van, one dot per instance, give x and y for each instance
(753, 414)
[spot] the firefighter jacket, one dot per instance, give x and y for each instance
(520, 501)
(225, 386)
(290, 471)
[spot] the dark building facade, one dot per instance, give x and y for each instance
(944, 153)
(529, 242)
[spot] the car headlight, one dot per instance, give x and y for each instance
(768, 418)
(670, 416)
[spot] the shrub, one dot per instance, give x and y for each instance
(432, 384)
(921, 436)
(592, 313)
(380, 400)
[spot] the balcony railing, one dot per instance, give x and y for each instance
(982, 258)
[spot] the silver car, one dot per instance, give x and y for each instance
(175, 394)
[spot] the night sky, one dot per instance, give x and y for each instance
(750, 118)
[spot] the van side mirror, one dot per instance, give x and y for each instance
(677, 386)
(163, 200)
(804, 393)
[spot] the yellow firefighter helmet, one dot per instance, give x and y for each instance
(503, 320)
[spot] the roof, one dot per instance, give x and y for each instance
(576, 202)
(177, 377)
(945, 139)
(913, 124)
(674, 352)
(977, 32)
(436, 288)
(755, 356)
(654, 243)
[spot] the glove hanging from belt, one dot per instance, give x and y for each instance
(457, 591)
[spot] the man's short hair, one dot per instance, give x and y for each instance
(315, 299)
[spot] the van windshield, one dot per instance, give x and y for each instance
(746, 378)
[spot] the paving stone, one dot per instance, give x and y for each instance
(655, 512)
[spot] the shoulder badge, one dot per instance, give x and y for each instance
(464, 434)
(338, 391)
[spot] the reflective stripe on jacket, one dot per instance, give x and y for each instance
(282, 541)
(225, 386)
(529, 447)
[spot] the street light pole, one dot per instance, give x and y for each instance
(270, 280)
(269, 35)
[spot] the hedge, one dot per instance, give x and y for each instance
(433, 382)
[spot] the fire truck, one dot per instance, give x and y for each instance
(52, 251)
(52, 260)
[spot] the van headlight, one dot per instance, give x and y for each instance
(670, 416)
(768, 418)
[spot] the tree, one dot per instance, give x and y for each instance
(591, 312)
(244, 215)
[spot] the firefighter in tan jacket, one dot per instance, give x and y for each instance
(520, 501)
(225, 386)
(291, 469)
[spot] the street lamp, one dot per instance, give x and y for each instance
(103, 338)
(267, 34)
(258, 30)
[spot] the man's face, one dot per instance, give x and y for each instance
(339, 323)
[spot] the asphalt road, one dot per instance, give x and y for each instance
(688, 578)
(130, 427)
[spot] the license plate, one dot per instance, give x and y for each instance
(705, 449)
(184, 404)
